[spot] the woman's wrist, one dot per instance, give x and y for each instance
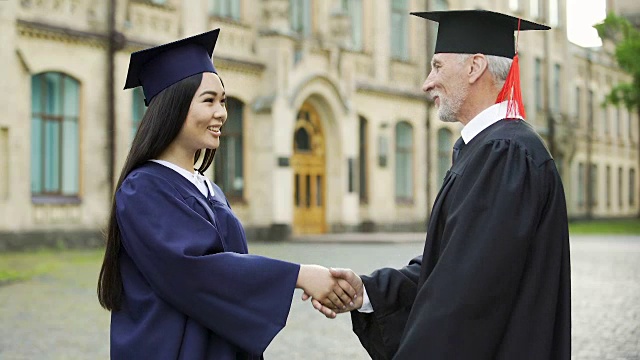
(302, 275)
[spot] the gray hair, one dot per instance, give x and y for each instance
(498, 67)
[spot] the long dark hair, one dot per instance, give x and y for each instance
(160, 125)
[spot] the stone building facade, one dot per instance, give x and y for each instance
(328, 129)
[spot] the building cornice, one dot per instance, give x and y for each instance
(40, 30)
(244, 66)
(387, 90)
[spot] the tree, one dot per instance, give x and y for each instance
(627, 52)
(627, 40)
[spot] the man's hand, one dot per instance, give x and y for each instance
(349, 282)
(317, 282)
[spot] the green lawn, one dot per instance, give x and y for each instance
(20, 266)
(628, 227)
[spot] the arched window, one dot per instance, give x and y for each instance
(55, 143)
(362, 160)
(229, 159)
(302, 140)
(404, 162)
(445, 144)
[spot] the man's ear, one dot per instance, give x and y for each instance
(479, 65)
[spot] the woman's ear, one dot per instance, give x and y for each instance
(479, 65)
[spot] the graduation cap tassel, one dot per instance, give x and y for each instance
(511, 90)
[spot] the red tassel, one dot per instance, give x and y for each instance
(511, 92)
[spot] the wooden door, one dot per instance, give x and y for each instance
(309, 182)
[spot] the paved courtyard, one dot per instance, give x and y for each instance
(57, 316)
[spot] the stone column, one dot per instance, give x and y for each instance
(195, 17)
(14, 134)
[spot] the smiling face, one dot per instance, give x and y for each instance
(207, 114)
(447, 85)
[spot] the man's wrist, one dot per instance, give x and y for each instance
(366, 303)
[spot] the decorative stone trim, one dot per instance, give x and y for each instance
(326, 80)
(386, 90)
(239, 65)
(150, 3)
(38, 30)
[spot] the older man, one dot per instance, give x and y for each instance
(494, 279)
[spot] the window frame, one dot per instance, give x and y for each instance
(557, 70)
(399, 50)
(578, 104)
(538, 96)
(632, 187)
(408, 151)
(300, 17)
(46, 117)
(608, 186)
(226, 9)
(620, 184)
(593, 177)
(363, 165)
(222, 176)
(355, 10)
(581, 188)
(138, 109)
(444, 153)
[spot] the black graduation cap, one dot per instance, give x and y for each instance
(159, 67)
(477, 31)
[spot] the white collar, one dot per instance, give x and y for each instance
(486, 118)
(200, 181)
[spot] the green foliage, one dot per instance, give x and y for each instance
(627, 40)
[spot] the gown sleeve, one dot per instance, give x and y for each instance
(243, 298)
(392, 293)
(462, 309)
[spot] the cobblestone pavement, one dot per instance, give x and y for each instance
(57, 316)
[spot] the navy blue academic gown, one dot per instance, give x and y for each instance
(494, 278)
(191, 291)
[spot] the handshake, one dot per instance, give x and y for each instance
(332, 291)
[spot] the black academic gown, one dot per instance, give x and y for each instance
(493, 281)
(190, 289)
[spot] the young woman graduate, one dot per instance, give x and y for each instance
(176, 274)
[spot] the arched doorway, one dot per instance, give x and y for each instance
(309, 180)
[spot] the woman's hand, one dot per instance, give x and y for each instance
(347, 279)
(318, 283)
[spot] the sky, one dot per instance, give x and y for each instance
(581, 16)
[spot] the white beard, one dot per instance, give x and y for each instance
(449, 109)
